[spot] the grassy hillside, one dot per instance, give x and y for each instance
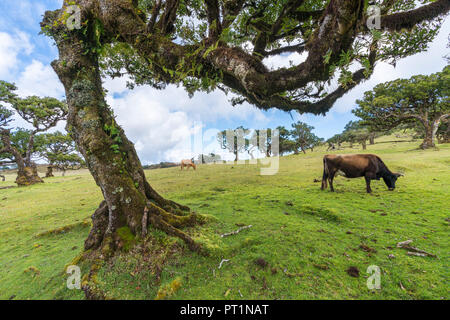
(301, 242)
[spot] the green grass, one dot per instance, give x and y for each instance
(309, 238)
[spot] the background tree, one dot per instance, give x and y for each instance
(262, 141)
(335, 142)
(42, 114)
(209, 158)
(286, 144)
(303, 137)
(356, 131)
(60, 152)
(421, 99)
(19, 140)
(202, 46)
(235, 141)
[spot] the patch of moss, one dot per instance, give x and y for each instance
(127, 238)
(324, 213)
(168, 290)
(33, 271)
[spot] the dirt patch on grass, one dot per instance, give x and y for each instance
(353, 272)
(261, 262)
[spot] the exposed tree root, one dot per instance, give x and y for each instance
(169, 221)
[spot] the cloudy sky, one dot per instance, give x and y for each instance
(165, 125)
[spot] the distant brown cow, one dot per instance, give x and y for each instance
(369, 166)
(188, 163)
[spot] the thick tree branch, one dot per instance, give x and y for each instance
(213, 12)
(408, 19)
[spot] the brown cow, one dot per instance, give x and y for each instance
(369, 166)
(188, 163)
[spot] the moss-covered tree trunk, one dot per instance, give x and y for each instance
(129, 201)
(27, 176)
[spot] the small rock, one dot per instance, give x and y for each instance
(391, 256)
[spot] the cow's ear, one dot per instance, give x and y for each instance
(398, 174)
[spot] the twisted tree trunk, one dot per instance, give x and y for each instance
(129, 201)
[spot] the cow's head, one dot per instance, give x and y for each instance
(390, 180)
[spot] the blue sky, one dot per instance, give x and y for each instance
(160, 122)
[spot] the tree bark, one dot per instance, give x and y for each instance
(364, 145)
(372, 139)
(129, 201)
(430, 134)
(49, 173)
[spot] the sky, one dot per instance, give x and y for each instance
(165, 125)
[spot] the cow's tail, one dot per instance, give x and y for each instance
(325, 173)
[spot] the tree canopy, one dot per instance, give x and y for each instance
(303, 137)
(210, 44)
(60, 151)
(422, 99)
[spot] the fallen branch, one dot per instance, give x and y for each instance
(413, 251)
(236, 232)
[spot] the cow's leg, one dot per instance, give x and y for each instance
(324, 180)
(368, 177)
(325, 174)
(330, 180)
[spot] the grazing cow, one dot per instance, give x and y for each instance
(188, 163)
(369, 166)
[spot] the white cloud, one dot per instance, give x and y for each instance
(163, 123)
(11, 46)
(285, 60)
(40, 80)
